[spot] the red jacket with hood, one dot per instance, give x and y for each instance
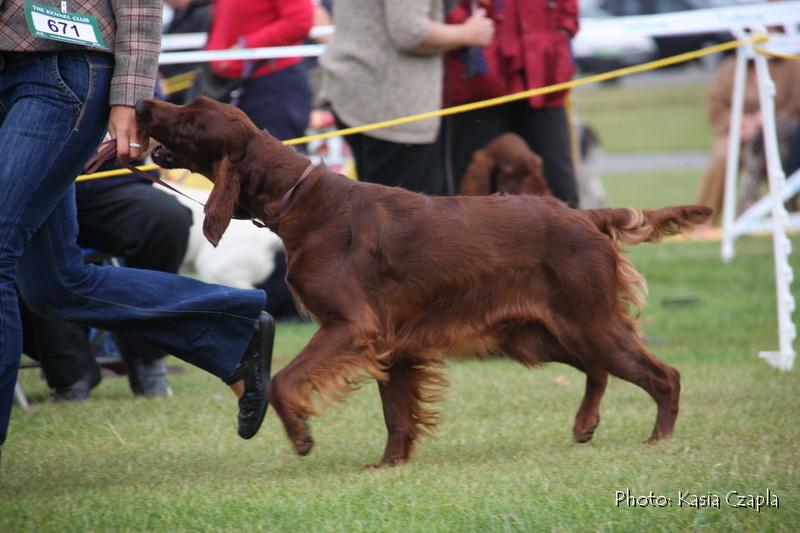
(256, 24)
(530, 49)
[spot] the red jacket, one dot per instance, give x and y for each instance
(530, 49)
(259, 23)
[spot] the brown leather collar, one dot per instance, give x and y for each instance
(288, 194)
(284, 202)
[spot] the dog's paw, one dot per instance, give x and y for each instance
(387, 462)
(303, 443)
(585, 434)
(655, 438)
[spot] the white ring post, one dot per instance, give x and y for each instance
(732, 162)
(782, 247)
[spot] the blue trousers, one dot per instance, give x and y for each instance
(53, 114)
(279, 102)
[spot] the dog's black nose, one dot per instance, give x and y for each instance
(141, 108)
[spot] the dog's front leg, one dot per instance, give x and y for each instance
(325, 366)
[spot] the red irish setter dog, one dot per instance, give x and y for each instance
(506, 165)
(398, 280)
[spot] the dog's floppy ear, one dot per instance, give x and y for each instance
(535, 181)
(478, 177)
(222, 201)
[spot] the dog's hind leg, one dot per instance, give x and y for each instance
(632, 362)
(411, 383)
(330, 365)
(533, 344)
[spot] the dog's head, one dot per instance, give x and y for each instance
(506, 165)
(520, 175)
(206, 137)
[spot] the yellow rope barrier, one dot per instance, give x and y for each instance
(626, 71)
(115, 172)
(776, 55)
(177, 83)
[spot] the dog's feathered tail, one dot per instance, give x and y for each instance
(634, 226)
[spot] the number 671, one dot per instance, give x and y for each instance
(54, 26)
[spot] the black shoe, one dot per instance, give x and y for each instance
(254, 369)
(78, 391)
(148, 378)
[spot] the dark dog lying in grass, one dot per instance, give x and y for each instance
(396, 280)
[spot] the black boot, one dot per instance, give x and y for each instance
(148, 378)
(254, 369)
(78, 391)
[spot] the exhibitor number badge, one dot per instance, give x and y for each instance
(75, 28)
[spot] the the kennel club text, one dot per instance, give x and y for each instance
(689, 499)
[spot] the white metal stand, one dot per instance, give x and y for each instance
(743, 53)
(779, 190)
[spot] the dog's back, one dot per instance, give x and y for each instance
(440, 270)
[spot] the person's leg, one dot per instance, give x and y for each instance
(206, 325)
(149, 229)
(279, 102)
(136, 221)
(712, 187)
(547, 132)
(280, 303)
(464, 133)
(56, 114)
(793, 158)
(53, 111)
(65, 354)
(416, 167)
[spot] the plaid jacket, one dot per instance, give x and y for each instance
(131, 28)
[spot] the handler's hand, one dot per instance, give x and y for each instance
(479, 29)
(122, 127)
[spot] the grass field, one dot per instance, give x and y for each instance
(650, 190)
(503, 459)
(647, 119)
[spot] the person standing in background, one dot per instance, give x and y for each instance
(275, 94)
(785, 75)
(188, 16)
(530, 49)
(383, 62)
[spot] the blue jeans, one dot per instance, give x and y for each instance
(53, 114)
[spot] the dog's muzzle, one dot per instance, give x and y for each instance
(163, 157)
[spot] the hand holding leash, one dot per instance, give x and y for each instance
(122, 127)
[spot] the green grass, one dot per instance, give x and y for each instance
(647, 118)
(503, 459)
(649, 190)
